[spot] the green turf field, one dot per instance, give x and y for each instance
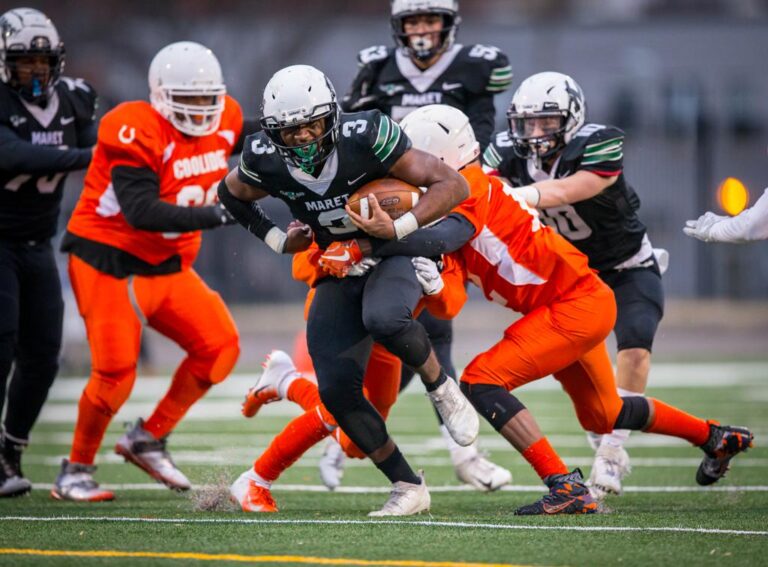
(664, 518)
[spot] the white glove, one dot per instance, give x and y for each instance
(428, 275)
(701, 228)
(362, 267)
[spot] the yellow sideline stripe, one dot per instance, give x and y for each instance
(245, 558)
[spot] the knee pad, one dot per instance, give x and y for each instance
(411, 345)
(215, 366)
(634, 413)
(494, 403)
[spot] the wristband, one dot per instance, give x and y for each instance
(275, 239)
(405, 225)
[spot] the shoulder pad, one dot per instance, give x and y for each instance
(375, 131)
(373, 54)
(257, 149)
(596, 143)
(81, 94)
(499, 150)
(485, 67)
(133, 131)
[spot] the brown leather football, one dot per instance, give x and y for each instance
(395, 197)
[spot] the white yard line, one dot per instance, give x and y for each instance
(451, 488)
(430, 524)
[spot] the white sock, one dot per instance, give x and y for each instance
(594, 439)
(618, 437)
(258, 479)
(458, 453)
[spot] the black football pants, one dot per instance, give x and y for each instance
(346, 317)
(31, 318)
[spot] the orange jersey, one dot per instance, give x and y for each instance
(188, 170)
(513, 258)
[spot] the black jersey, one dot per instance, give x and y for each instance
(465, 77)
(369, 144)
(605, 227)
(32, 177)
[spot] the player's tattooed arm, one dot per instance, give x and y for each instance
(240, 199)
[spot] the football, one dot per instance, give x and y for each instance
(395, 197)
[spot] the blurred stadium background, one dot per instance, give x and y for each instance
(684, 78)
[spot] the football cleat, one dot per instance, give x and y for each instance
(75, 482)
(482, 474)
(567, 495)
(273, 382)
(459, 417)
(609, 469)
(406, 499)
(251, 496)
(724, 443)
(12, 481)
(331, 464)
(139, 447)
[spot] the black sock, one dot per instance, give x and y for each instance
(439, 382)
(397, 469)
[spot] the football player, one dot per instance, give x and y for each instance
(443, 295)
(313, 157)
(572, 171)
(567, 313)
(749, 225)
(132, 239)
(47, 129)
(427, 66)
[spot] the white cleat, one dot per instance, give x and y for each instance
(459, 417)
(139, 447)
(250, 495)
(75, 482)
(331, 464)
(406, 499)
(609, 469)
(482, 474)
(279, 372)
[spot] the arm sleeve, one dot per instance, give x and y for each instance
(137, 191)
(247, 213)
(751, 224)
(448, 235)
(481, 113)
(22, 156)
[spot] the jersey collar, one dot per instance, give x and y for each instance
(422, 80)
(44, 116)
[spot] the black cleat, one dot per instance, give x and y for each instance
(724, 443)
(12, 481)
(567, 495)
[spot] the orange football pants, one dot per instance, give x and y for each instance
(181, 307)
(565, 339)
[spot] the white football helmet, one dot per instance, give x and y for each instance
(25, 32)
(443, 131)
(186, 69)
(297, 95)
(419, 47)
(546, 111)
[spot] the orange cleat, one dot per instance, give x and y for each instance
(251, 496)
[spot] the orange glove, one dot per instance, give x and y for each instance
(339, 257)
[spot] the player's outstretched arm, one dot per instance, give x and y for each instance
(240, 199)
(19, 155)
(750, 225)
(580, 186)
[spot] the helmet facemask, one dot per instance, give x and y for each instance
(537, 135)
(309, 155)
(190, 119)
(418, 45)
